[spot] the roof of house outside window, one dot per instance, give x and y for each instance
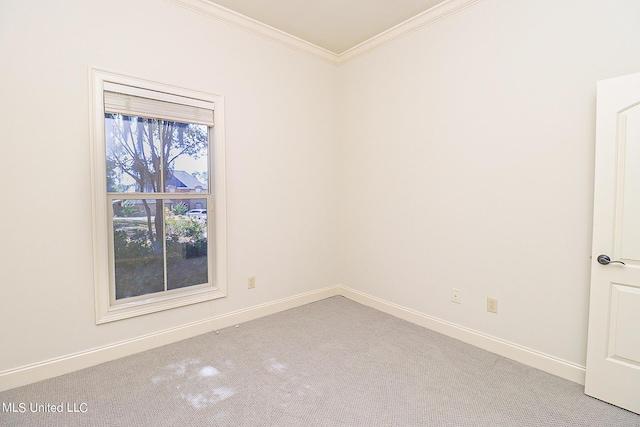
(183, 179)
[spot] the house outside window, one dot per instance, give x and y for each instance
(159, 196)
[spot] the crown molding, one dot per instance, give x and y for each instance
(221, 13)
(256, 27)
(428, 17)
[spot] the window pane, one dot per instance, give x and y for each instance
(138, 253)
(188, 170)
(187, 242)
(148, 155)
(164, 239)
(133, 154)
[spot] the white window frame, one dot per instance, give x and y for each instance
(107, 309)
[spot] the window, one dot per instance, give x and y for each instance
(158, 196)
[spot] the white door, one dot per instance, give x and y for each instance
(613, 353)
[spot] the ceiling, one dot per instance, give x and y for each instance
(333, 25)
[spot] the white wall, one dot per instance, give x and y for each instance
(467, 162)
(281, 164)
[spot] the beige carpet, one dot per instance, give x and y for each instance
(330, 363)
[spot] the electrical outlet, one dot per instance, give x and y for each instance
(492, 305)
(455, 296)
(252, 282)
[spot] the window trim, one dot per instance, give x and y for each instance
(107, 310)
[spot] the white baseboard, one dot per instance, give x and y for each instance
(527, 356)
(65, 364)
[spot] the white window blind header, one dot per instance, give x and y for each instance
(134, 101)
